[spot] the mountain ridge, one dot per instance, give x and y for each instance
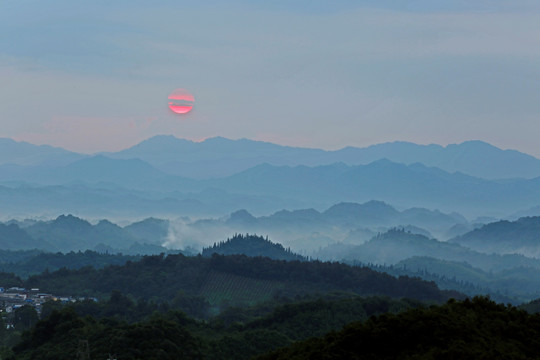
(266, 188)
(219, 156)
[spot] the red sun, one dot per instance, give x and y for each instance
(181, 101)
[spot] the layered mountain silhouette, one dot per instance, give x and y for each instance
(23, 153)
(220, 157)
(70, 233)
(14, 238)
(114, 185)
(166, 176)
(345, 215)
(398, 184)
(397, 245)
(505, 237)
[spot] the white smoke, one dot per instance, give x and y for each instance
(183, 234)
(186, 234)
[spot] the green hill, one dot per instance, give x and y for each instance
(477, 329)
(228, 280)
(504, 237)
(251, 245)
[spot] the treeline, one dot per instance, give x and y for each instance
(449, 279)
(472, 329)
(230, 280)
(251, 245)
(169, 334)
(341, 328)
(25, 263)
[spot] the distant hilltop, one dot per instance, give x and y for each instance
(252, 245)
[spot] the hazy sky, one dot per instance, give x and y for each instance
(93, 76)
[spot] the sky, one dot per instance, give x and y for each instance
(95, 76)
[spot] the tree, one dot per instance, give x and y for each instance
(25, 317)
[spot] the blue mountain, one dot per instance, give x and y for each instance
(218, 157)
(23, 153)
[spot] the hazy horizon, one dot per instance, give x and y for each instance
(95, 77)
(202, 140)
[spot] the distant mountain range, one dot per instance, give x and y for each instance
(220, 157)
(348, 222)
(23, 153)
(356, 222)
(70, 233)
(158, 178)
(114, 186)
(396, 245)
(371, 213)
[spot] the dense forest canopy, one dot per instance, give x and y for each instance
(251, 245)
(334, 327)
(248, 296)
(472, 329)
(231, 279)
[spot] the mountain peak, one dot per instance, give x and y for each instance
(241, 217)
(70, 221)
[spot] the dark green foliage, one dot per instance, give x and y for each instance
(49, 306)
(473, 329)
(124, 308)
(118, 306)
(10, 280)
(304, 319)
(229, 279)
(251, 245)
(515, 285)
(36, 263)
(378, 328)
(462, 277)
(24, 318)
(195, 306)
(532, 307)
(264, 328)
(58, 337)
(17, 256)
(244, 345)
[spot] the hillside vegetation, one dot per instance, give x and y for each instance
(472, 329)
(225, 280)
(251, 245)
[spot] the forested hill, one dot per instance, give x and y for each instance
(239, 333)
(477, 329)
(504, 236)
(251, 245)
(231, 280)
(32, 262)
